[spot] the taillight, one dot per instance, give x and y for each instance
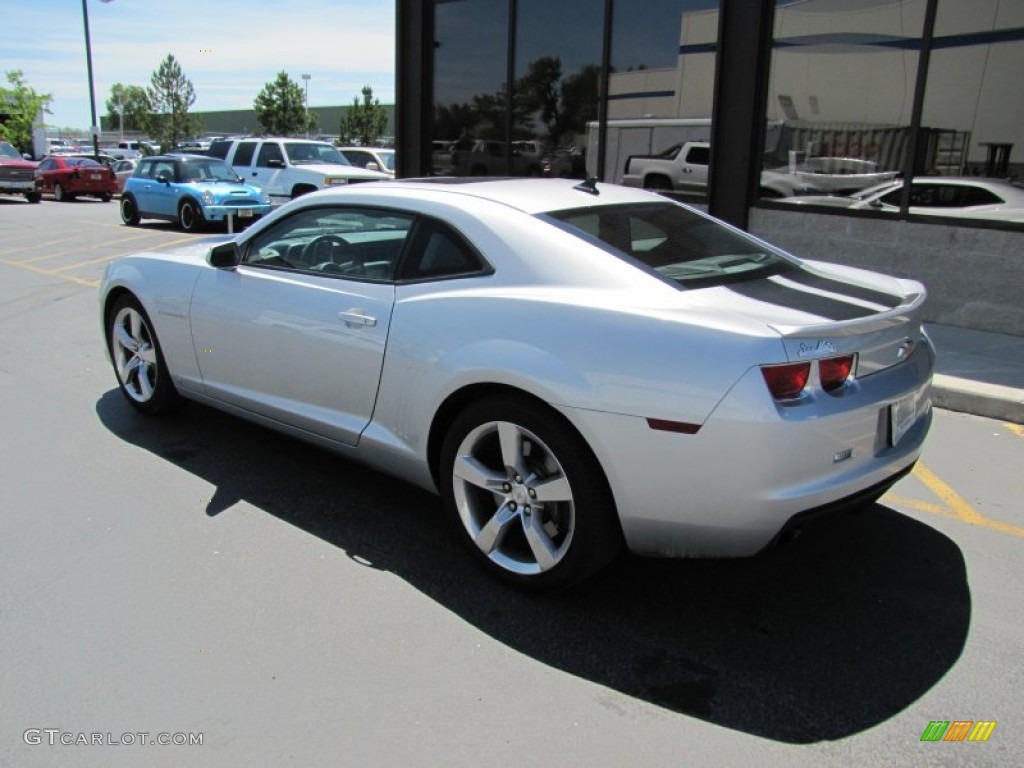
(834, 371)
(786, 382)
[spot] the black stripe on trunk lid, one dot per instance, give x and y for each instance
(812, 303)
(832, 285)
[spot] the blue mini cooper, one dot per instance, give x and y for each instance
(190, 190)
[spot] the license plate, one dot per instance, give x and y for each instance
(95, 176)
(245, 213)
(903, 414)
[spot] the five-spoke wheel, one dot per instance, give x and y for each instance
(528, 493)
(138, 362)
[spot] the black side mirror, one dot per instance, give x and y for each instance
(163, 178)
(225, 256)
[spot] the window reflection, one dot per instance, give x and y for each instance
(975, 91)
(558, 57)
(840, 95)
(660, 95)
(470, 72)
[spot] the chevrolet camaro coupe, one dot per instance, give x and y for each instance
(576, 368)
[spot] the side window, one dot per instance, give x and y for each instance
(244, 153)
(164, 168)
(219, 149)
(269, 151)
(348, 242)
(438, 251)
(144, 170)
(979, 196)
(699, 156)
(47, 165)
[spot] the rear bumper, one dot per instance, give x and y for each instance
(730, 489)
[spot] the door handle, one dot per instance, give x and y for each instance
(356, 317)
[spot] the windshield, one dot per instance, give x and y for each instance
(387, 158)
(207, 170)
(309, 153)
(81, 162)
(7, 150)
(679, 244)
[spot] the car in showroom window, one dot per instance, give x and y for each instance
(576, 369)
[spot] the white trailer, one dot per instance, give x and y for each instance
(641, 136)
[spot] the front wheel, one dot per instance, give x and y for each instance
(33, 197)
(190, 217)
(142, 373)
(527, 494)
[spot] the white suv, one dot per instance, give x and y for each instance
(288, 168)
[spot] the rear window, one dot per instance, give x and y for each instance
(679, 245)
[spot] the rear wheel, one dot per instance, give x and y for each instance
(60, 195)
(190, 217)
(105, 198)
(527, 494)
(658, 183)
(129, 211)
(139, 365)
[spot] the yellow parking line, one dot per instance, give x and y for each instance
(954, 505)
(78, 264)
(42, 245)
(107, 244)
(51, 273)
(1017, 429)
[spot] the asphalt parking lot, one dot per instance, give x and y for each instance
(201, 576)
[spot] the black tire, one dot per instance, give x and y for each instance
(33, 197)
(190, 216)
(139, 366)
(105, 198)
(532, 542)
(60, 195)
(129, 211)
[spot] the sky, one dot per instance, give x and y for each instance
(229, 49)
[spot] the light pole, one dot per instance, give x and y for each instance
(307, 78)
(94, 129)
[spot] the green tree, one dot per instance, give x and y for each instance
(129, 106)
(281, 108)
(171, 95)
(364, 123)
(20, 106)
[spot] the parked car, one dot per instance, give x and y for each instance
(957, 197)
(288, 168)
(68, 176)
(17, 175)
(190, 190)
(573, 367)
(123, 169)
(371, 158)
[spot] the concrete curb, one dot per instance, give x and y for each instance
(978, 398)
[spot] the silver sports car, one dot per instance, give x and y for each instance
(574, 368)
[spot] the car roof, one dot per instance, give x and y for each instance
(529, 195)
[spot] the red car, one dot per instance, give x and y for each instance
(65, 177)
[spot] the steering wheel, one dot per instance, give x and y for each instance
(325, 248)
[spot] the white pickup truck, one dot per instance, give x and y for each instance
(683, 167)
(288, 168)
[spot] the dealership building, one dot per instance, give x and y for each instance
(900, 88)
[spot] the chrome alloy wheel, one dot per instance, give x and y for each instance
(513, 497)
(134, 353)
